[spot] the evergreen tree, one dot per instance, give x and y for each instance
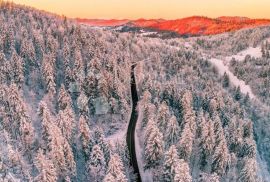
(109, 178)
(237, 95)
(206, 143)
(182, 172)
(84, 133)
(48, 73)
(249, 171)
(204, 177)
(248, 148)
(172, 132)
(163, 116)
(47, 171)
(17, 69)
(96, 164)
(221, 158)
(185, 143)
(225, 80)
(153, 148)
(116, 169)
(171, 162)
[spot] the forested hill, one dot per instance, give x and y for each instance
(65, 104)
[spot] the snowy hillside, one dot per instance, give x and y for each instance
(66, 103)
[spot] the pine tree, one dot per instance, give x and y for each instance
(163, 116)
(248, 148)
(78, 68)
(65, 121)
(206, 143)
(3, 68)
(188, 115)
(148, 113)
(96, 163)
(47, 171)
(185, 143)
(17, 69)
(171, 162)
(64, 99)
(225, 80)
(172, 131)
(100, 140)
(237, 95)
(84, 133)
(204, 177)
(69, 159)
(249, 171)
(234, 136)
(116, 169)
(221, 158)
(182, 172)
(153, 148)
(109, 178)
(82, 103)
(48, 73)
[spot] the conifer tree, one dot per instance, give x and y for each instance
(153, 148)
(47, 171)
(171, 162)
(182, 172)
(96, 164)
(249, 171)
(185, 143)
(84, 133)
(172, 131)
(116, 169)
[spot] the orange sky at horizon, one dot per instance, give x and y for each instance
(167, 9)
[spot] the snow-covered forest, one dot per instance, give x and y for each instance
(65, 104)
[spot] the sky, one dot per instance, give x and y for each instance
(167, 9)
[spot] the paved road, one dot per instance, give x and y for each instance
(132, 126)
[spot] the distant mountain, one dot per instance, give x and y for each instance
(195, 25)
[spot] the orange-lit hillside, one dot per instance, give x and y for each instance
(207, 26)
(195, 25)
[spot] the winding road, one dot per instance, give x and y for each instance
(132, 125)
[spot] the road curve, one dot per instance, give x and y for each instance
(132, 125)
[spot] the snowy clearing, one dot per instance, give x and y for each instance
(222, 68)
(253, 52)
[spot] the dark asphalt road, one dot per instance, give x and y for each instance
(132, 125)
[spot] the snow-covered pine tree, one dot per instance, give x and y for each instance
(65, 121)
(116, 169)
(163, 115)
(48, 73)
(182, 172)
(17, 69)
(47, 171)
(206, 143)
(221, 159)
(186, 143)
(100, 140)
(96, 164)
(172, 132)
(109, 178)
(204, 177)
(170, 164)
(248, 172)
(154, 146)
(84, 134)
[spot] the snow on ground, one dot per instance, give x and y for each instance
(222, 68)
(253, 52)
(146, 176)
(263, 170)
(118, 136)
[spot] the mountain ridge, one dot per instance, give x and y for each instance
(194, 25)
